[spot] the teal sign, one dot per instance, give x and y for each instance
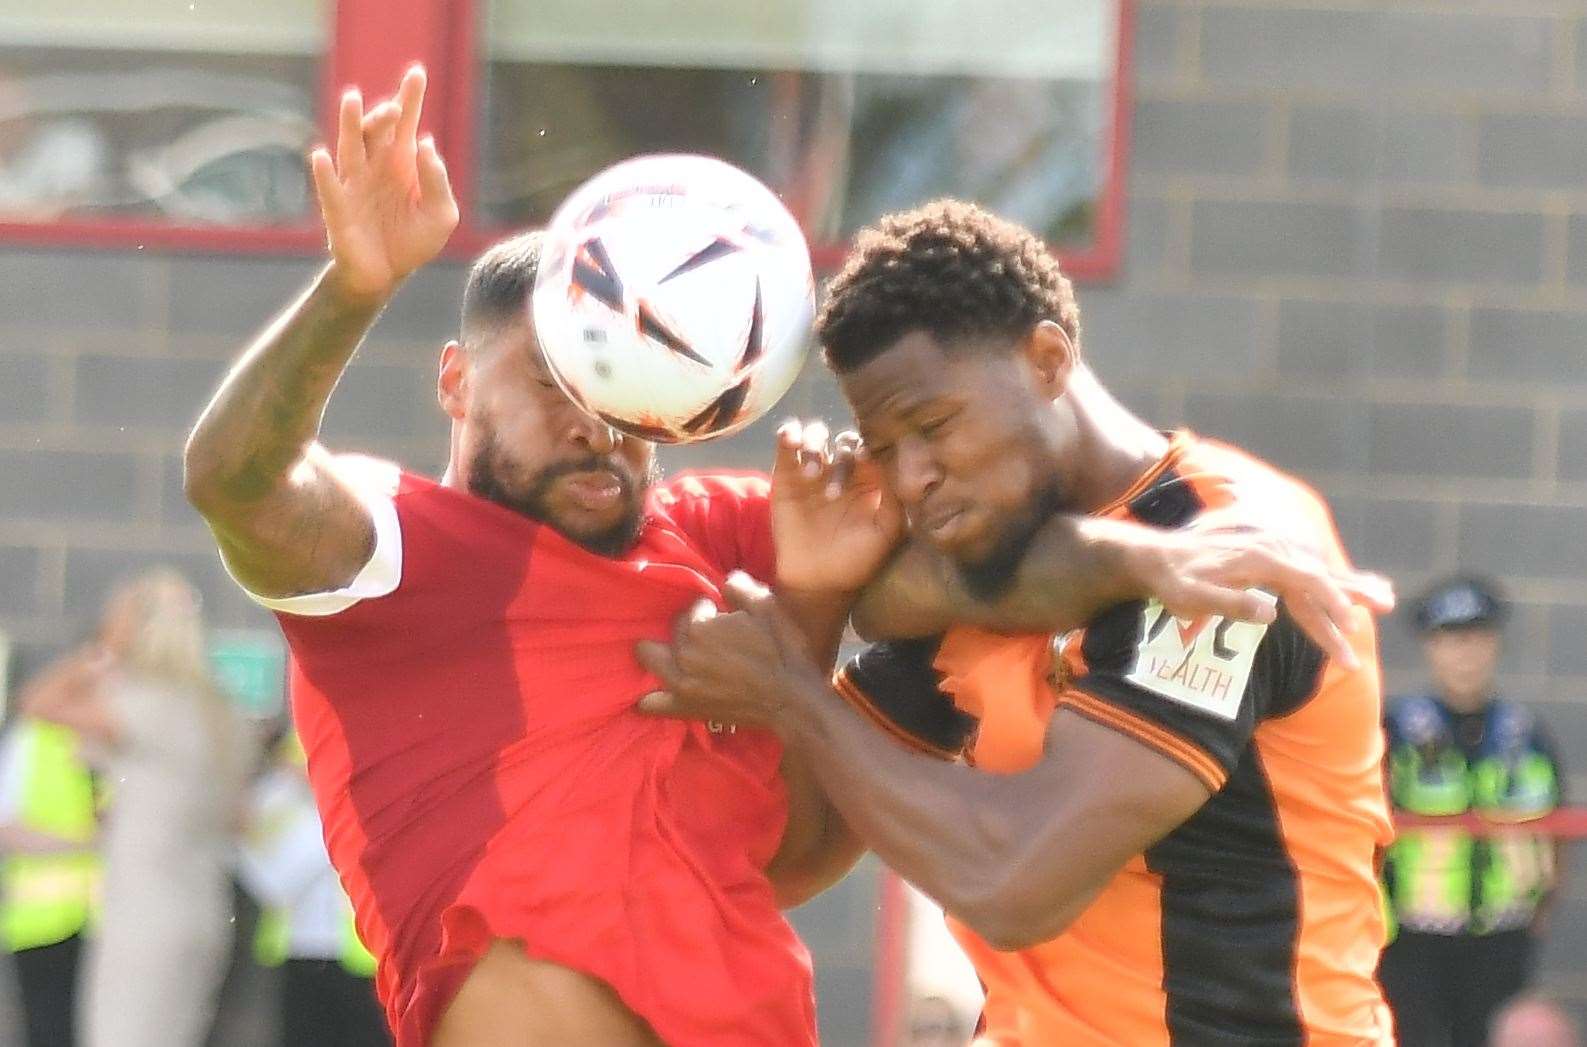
(252, 667)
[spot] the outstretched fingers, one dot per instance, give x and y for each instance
(328, 188)
(380, 129)
(410, 103)
(435, 187)
(1324, 630)
(350, 157)
(802, 455)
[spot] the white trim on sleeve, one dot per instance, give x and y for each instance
(375, 483)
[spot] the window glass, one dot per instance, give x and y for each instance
(186, 111)
(848, 109)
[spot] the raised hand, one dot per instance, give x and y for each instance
(832, 517)
(1226, 567)
(385, 198)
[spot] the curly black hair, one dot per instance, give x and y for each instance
(948, 268)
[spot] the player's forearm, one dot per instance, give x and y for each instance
(266, 414)
(1075, 567)
(821, 618)
(916, 594)
(941, 826)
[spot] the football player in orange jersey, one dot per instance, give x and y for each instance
(1152, 825)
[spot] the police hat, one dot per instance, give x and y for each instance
(1461, 603)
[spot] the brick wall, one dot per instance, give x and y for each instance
(1357, 245)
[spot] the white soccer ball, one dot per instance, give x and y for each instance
(674, 298)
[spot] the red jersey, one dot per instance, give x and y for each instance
(482, 774)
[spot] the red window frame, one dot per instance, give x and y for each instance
(373, 41)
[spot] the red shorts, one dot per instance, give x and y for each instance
(704, 956)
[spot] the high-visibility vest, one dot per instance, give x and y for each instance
(272, 944)
(1447, 880)
(47, 898)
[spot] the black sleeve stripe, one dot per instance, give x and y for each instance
(899, 685)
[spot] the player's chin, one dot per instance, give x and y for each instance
(963, 538)
(606, 532)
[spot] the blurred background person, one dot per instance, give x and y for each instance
(49, 872)
(174, 757)
(1468, 907)
(327, 992)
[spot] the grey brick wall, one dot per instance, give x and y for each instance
(1399, 243)
(1357, 244)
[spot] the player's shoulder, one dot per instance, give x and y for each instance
(706, 485)
(371, 475)
(1230, 477)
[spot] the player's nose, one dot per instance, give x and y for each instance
(591, 434)
(915, 471)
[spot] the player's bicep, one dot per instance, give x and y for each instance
(315, 533)
(1098, 798)
(1102, 798)
(1130, 793)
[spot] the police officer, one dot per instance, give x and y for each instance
(1465, 907)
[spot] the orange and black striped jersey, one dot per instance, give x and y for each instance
(1256, 921)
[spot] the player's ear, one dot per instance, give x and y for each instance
(452, 385)
(1052, 356)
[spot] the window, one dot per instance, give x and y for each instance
(159, 113)
(848, 110)
(184, 122)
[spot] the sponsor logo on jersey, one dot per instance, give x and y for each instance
(1205, 664)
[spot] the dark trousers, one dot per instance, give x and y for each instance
(324, 1006)
(1445, 988)
(47, 985)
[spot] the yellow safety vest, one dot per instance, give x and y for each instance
(47, 898)
(271, 941)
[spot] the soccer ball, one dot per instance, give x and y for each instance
(674, 298)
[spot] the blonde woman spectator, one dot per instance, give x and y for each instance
(174, 758)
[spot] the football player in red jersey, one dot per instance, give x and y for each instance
(530, 859)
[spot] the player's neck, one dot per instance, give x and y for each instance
(1113, 446)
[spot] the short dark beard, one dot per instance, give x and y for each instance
(612, 541)
(990, 578)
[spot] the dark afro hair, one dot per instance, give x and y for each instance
(948, 268)
(499, 285)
